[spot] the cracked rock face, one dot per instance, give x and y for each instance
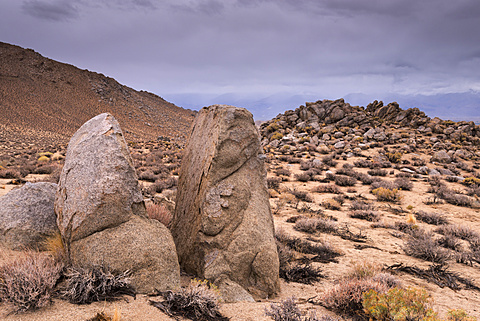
(99, 203)
(223, 226)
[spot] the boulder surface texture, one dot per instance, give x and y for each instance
(223, 226)
(27, 216)
(101, 214)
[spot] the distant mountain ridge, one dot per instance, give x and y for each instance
(41, 94)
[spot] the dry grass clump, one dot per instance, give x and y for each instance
(332, 204)
(102, 316)
(160, 213)
(27, 282)
(327, 188)
(431, 218)
(386, 195)
(94, 284)
(461, 231)
(422, 245)
(198, 301)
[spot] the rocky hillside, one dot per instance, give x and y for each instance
(342, 126)
(40, 96)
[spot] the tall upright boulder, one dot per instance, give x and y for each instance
(101, 214)
(223, 226)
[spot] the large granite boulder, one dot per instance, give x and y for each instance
(101, 214)
(140, 245)
(223, 226)
(27, 216)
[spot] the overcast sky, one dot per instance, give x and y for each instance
(257, 48)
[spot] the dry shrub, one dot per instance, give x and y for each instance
(361, 206)
(160, 213)
(386, 195)
(84, 285)
(363, 269)
(377, 172)
(382, 183)
(301, 273)
(461, 231)
(459, 315)
(303, 177)
(399, 304)
(287, 310)
(394, 157)
(162, 184)
(323, 251)
(403, 184)
(312, 225)
(431, 218)
(282, 172)
(329, 161)
(365, 178)
(346, 297)
(198, 301)
(452, 197)
(326, 188)
(10, 173)
(449, 241)
(148, 176)
(342, 180)
(27, 281)
(422, 245)
(368, 215)
(301, 195)
(331, 204)
(274, 182)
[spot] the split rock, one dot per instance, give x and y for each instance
(223, 226)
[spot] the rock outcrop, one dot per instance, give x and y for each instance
(223, 226)
(101, 214)
(336, 125)
(27, 216)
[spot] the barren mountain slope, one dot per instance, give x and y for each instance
(40, 94)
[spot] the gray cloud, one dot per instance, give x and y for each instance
(50, 10)
(327, 48)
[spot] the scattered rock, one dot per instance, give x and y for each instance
(27, 216)
(441, 157)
